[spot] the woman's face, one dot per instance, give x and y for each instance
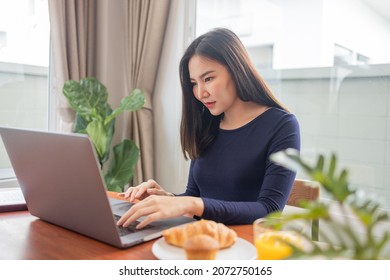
(212, 85)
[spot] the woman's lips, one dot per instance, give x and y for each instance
(209, 104)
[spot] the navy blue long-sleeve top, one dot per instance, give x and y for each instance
(235, 177)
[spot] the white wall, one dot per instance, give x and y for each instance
(356, 26)
(171, 169)
(348, 115)
(300, 43)
(309, 29)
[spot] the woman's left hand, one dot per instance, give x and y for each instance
(155, 208)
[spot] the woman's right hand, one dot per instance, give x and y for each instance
(144, 190)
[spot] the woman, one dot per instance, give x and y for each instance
(231, 124)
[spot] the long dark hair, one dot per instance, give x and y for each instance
(198, 127)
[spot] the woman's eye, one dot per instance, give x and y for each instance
(208, 79)
(193, 84)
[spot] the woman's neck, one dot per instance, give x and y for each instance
(242, 115)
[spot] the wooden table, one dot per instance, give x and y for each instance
(23, 236)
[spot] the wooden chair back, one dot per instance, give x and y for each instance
(305, 190)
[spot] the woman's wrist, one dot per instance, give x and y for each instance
(196, 206)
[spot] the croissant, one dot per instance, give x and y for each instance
(225, 236)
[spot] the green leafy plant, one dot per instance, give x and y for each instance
(342, 238)
(95, 117)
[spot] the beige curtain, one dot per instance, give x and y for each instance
(147, 20)
(119, 42)
(72, 51)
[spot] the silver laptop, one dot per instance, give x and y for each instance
(62, 183)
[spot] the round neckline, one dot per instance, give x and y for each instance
(248, 123)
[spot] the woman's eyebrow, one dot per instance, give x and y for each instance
(204, 74)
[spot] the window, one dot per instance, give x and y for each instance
(328, 62)
(24, 61)
(344, 56)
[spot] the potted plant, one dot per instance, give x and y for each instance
(95, 117)
(336, 231)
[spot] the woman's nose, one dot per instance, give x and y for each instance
(201, 92)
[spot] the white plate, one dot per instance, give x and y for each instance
(241, 250)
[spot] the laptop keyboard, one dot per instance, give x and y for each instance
(130, 229)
